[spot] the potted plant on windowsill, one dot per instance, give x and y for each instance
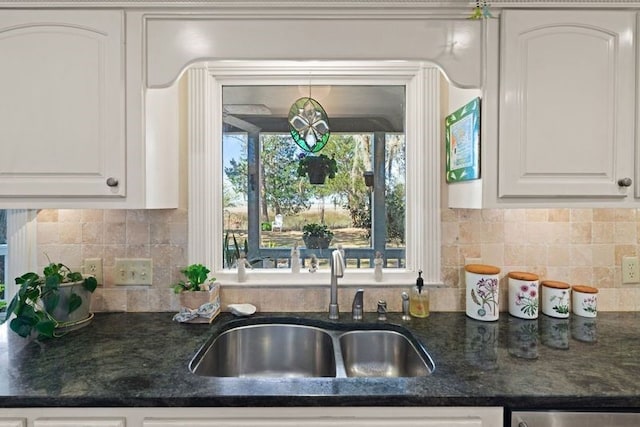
(316, 236)
(198, 289)
(317, 168)
(51, 304)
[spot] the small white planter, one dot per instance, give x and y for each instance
(61, 312)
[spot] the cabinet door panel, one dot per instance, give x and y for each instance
(62, 107)
(566, 115)
(79, 422)
(13, 422)
(398, 420)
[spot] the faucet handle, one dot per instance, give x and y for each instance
(357, 305)
(382, 310)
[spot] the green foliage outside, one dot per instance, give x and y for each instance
(283, 191)
(3, 303)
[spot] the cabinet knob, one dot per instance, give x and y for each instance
(625, 182)
(112, 182)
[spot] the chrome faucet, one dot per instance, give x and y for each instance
(357, 305)
(337, 270)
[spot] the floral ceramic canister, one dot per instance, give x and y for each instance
(555, 298)
(523, 295)
(584, 301)
(482, 291)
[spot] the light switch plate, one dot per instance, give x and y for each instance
(133, 271)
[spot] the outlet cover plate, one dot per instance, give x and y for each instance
(93, 266)
(630, 269)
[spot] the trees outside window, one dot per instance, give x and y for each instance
(344, 203)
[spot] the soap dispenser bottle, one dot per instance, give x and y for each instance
(419, 299)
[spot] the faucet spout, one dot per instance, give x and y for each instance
(337, 270)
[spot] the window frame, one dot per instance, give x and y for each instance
(422, 133)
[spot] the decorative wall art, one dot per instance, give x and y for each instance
(462, 138)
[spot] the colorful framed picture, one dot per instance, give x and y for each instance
(462, 139)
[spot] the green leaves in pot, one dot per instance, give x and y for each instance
(196, 275)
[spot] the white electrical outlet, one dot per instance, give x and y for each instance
(630, 269)
(133, 271)
(93, 266)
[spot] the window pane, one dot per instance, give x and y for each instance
(3, 258)
(269, 199)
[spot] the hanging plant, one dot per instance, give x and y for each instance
(317, 168)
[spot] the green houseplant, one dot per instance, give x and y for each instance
(317, 168)
(316, 236)
(197, 288)
(45, 303)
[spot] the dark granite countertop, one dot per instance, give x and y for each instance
(141, 359)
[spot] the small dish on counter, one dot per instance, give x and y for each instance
(242, 309)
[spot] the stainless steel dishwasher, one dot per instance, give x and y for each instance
(574, 419)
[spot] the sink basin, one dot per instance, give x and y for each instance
(381, 353)
(269, 350)
(295, 348)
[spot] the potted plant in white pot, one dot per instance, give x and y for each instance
(51, 303)
(198, 289)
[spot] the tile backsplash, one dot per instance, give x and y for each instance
(579, 246)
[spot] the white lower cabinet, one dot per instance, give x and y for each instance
(79, 422)
(254, 417)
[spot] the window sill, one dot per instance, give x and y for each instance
(284, 278)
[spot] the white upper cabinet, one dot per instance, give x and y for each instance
(62, 109)
(567, 102)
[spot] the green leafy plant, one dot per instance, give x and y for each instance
(197, 275)
(316, 236)
(317, 168)
(3, 304)
(39, 296)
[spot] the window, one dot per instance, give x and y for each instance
(209, 221)
(271, 196)
(3, 261)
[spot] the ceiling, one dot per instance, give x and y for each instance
(349, 108)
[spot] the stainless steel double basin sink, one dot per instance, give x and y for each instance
(293, 347)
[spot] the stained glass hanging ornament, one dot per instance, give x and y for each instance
(309, 124)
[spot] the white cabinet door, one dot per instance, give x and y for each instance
(62, 105)
(566, 104)
(79, 422)
(13, 422)
(329, 417)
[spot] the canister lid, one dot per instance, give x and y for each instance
(482, 269)
(522, 275)
(555, 284)
(585, 289)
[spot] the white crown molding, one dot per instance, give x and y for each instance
(449, 8)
